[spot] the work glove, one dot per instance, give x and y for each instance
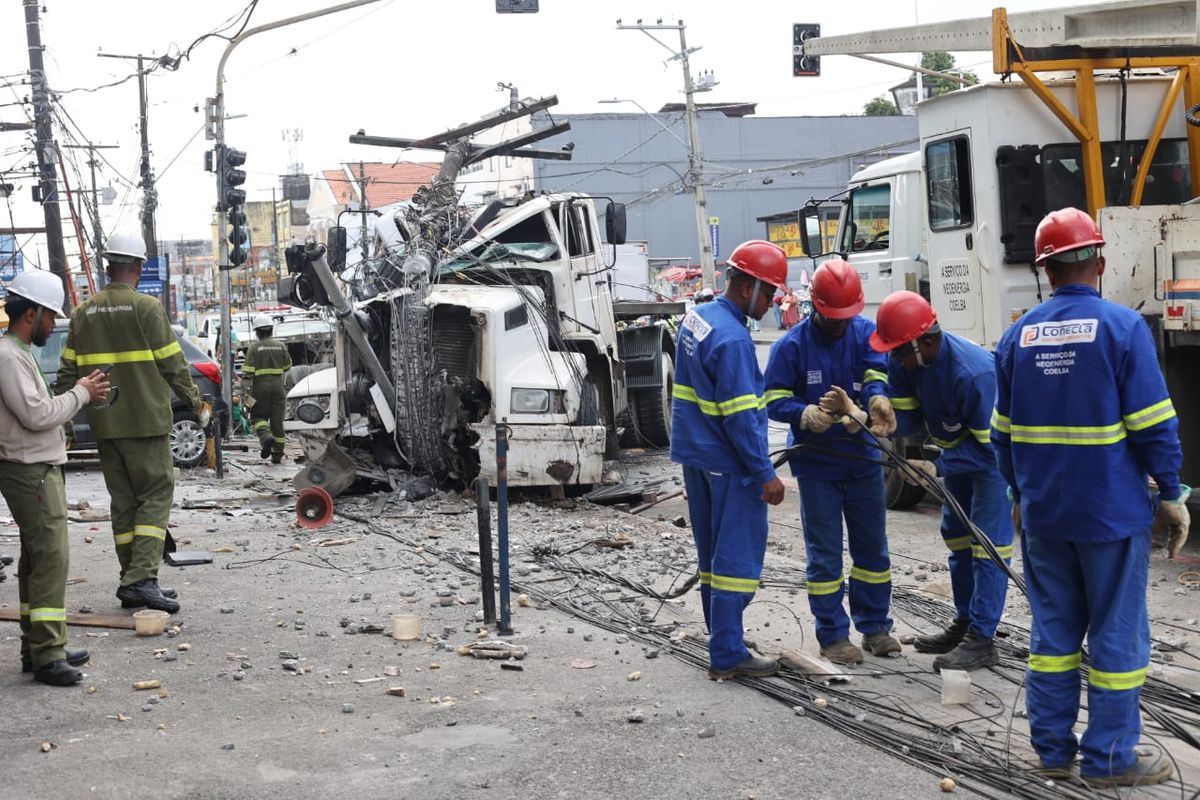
(838, 404)
(883, 416)
(815, 420)
(1173, 517)
(204, 415)
(926, 469)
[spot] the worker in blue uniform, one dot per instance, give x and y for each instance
(1082, 416)
(944, 385)
(820, 373)
(719, 435)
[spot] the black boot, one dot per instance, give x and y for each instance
(267, 446)
(975, 652)
(146, 593)
(76, 658)
(58, 673)
(130, 599)
(945, 641)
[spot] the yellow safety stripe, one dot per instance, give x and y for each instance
(24, 609)
(1069, 434)
(123, 538)
(246, 370)
(153, 531)
(906, 403)
(705, 578)
(946, 444)
(1150, 416)
(280, 439)
(1116, 680)
(725, 408)
(259, 424)
(742, 403)
(1005, 551)
(983, 437)
(824, 587)
(777, 394)
(728, 584)
(1001, 422)
(959, 543)
(874, 375)
(128, 356)
(1039, 663)
(268, 371)
(867, 576)
(68, 354)
(60, 615)
(167, 350)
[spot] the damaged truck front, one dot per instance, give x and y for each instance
(513, 322)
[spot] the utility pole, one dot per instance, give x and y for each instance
(149, 196)
(695, 165)
(97, 231)
(275, 235)
(48, 178)
(362, 206)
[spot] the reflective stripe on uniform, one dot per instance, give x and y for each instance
(1039, 663)
(259, 424)
(867, 576)
(24, 609)
(1150, 416)
(906, 403)
(1005, 551)
(280, 439)
(68, 354)
(777, 394)
(257, 372)
(128, 356)
(824, 587)
(728, 584)
(725, 408)
(153, 531)
(1001, 422)
(1069, 434)
(123, 538)
(983, 437)
(705, 578)
(1116, 680)
(874, 375)
(60, 615)
(946, 444)
(958, 543)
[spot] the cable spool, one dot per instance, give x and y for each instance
(1191, 115)
(314, 507)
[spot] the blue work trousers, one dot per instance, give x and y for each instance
(1097, 589)
(823, 505)
(979, 584)
(729, 524)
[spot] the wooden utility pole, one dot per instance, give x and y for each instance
(47, 176)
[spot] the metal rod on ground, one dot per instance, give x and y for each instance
(487, 568)
(502, 524)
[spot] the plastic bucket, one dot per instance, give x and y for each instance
(150, 621)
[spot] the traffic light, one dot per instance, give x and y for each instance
(230, 177)
(804, 65)
(239, 234)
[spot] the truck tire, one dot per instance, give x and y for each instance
(900, 495)
(652, 407)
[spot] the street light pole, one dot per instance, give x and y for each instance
(218, 123)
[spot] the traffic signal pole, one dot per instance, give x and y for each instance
(218, 131)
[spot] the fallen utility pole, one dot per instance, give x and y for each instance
(47, 177)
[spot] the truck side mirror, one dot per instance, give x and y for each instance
(810, 228)
(337, 249)
(615, 223)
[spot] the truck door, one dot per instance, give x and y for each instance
(954, 266)
(866, 238)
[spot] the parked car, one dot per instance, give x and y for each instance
(188, 440)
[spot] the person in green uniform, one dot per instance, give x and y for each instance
(130, 330)
(32, 450)
(262, 379)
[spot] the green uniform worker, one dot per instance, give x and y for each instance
(130, 330)
(266, 362)
(32, 450)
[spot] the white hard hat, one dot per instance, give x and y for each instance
(262, 321)
(126, 243)
(41, 287)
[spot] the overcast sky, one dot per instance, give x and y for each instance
(404, 68)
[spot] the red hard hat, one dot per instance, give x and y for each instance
(902, 317)
(762, 260)
(1063, 232)
(837, 291)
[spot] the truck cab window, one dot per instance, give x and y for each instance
(1167, 183)
(948, 170)
(868, 211)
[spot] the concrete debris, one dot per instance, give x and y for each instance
(707, 732)
(821, 669)
(636, 715)
(153, 683)
(291, 665)
(523, 601)
(396, 691)
(512, 665)
(580, 663)
(347, 708)
(947, 784)
(634, 676)
(46, 747)
(365, 681)
(288, 654)
(494, 649)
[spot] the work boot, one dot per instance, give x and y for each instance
(276, 459)
(943, 641)
(751, 666)
(146, 593)
(131, 599)
(76, 658)
(58, 673)
(842, 652)
(265, 450)
(1061, 773)
(881, 643)
(974, 652)
(1148, 770)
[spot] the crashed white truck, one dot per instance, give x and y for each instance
(515, 324)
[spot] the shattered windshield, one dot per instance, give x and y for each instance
(498, 251)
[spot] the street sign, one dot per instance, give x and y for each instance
(714, 233)
(150, 286)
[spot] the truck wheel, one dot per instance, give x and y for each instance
(187, 440)
(900, 495)
(652, 407)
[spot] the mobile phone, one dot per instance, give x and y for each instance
(106, 368)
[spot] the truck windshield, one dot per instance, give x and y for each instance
(497, 251)
(868, 214)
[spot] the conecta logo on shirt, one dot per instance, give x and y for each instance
(1067, 331)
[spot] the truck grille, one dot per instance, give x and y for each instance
(453, 342)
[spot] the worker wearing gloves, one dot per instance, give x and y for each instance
(32, 448)
(130, 331)
(817, 375)
(262, 380)
(720, 437)
(1082, 415)
(946, 385)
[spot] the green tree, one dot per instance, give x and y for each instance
(941, 61)
(880, 107)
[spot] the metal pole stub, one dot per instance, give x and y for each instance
(487, 567)
(502, 432)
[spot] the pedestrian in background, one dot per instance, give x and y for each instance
(262, 387)
(32, 452)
